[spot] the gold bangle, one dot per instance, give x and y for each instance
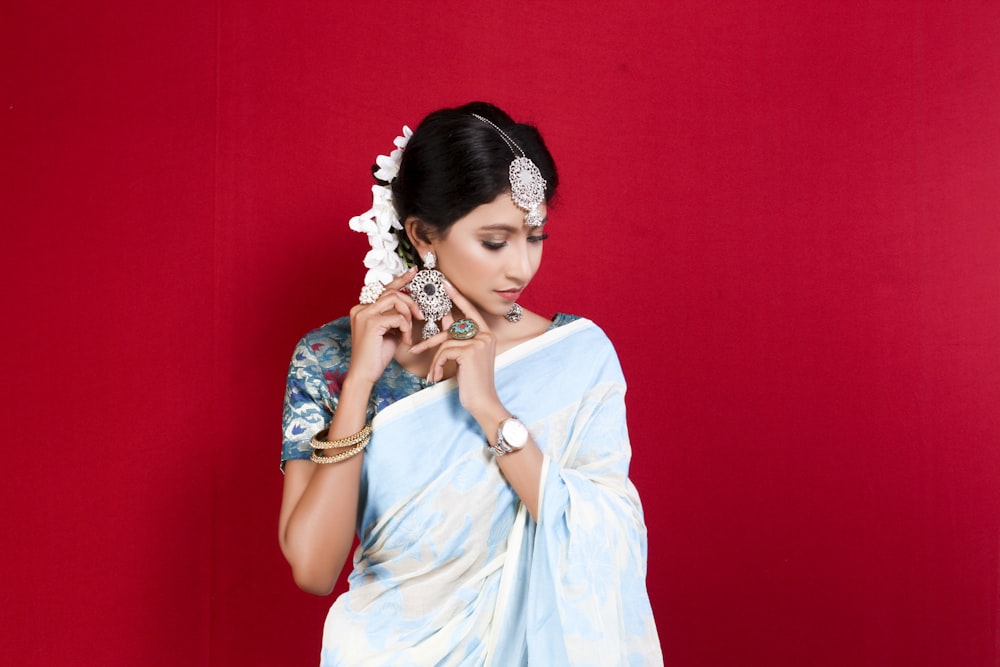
(343, 456)
(319, 440)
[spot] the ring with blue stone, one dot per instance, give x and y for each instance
(463, 329)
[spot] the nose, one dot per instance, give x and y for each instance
(519, 263)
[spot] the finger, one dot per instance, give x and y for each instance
(396, 287)
(401, 281)
(406, 331)
(458, 351)
(387, 322)
(390, 301)
(464, 305)
(395, 301)
(400, 301)
(414, 308)
(394, 290)
(445, 353)
(385, 310)
(433, 341)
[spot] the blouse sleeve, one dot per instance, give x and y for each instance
(588, 603)
(311, 393)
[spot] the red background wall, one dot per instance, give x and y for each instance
(785, 214)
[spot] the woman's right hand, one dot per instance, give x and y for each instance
(315, 541)
(378, 328)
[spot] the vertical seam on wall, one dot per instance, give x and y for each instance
(216, 338)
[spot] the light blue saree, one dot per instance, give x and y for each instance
(451, 569)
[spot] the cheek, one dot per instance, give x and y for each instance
(536, 257)
(473, 262)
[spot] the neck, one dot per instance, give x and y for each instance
(497, 324)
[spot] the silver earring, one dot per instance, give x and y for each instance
(427, 289)
(515, 313)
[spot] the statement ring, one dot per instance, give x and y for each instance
(370, 293)
(463, 329)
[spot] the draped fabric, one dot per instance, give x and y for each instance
(319, 364)
(451, 569)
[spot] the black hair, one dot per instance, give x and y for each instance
(455, 162)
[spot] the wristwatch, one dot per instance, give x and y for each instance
(512, 435)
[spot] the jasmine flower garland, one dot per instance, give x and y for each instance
(380, 221)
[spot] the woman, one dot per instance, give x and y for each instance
(479, 450)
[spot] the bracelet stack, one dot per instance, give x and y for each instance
(352, 445)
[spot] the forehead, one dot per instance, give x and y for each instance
(500, 214)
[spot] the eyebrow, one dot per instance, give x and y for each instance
(498, 227)
(501, 227)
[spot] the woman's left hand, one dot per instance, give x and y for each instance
(477, 392)
(474, 357)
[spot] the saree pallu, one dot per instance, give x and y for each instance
(452, 570)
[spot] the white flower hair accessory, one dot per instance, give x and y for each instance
(379, 222)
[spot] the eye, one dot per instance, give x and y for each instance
(539, 238)
(494, 245)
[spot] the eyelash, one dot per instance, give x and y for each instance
(492, 245)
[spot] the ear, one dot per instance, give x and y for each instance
(419, 236)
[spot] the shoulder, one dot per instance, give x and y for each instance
(337, 331)
(326, 345)
(577, 324)
(560, 319)
(578, 349)
(584, 336)
(593, 344)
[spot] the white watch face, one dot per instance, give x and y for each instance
(515, 434)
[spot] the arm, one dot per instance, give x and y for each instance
(583, 573)
(523, 468)
(475, 358)
(319, 505)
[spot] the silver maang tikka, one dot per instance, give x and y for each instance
(427, 289)
(527, 187)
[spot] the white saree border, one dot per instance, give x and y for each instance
(507, 577)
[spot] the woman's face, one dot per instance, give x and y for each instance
(490, 256)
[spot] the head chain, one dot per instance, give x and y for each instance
(527, 187)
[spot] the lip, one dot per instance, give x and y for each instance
(510, 294)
